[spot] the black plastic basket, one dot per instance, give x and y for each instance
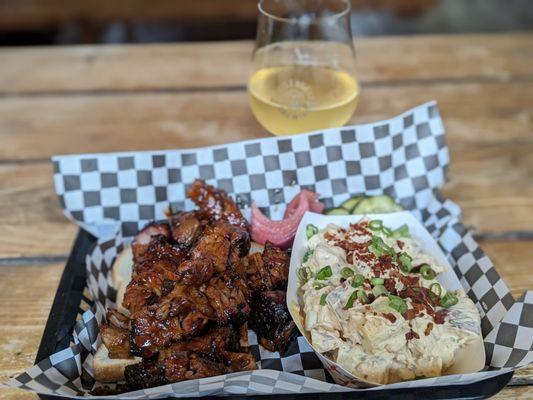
(65, 307)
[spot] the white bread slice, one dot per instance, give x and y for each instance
(107, 369)
(121, 275)
(122, 267)
(120, 298)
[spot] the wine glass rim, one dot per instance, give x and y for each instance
(342, 13)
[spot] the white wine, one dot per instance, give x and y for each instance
(300, 98)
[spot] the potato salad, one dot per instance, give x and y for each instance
(372, 303)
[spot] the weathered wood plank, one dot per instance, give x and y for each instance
(171, 66)
(515, 392)
(31, 221)
(24, 312)
(476, 114)
(512, 260)
(42, 14)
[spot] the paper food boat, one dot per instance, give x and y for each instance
(468, 359)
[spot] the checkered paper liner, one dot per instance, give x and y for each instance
(114, 195)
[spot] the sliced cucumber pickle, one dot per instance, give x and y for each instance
(350, 204)
(337, 211)
(376, 204)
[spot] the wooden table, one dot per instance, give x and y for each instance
(96, 98)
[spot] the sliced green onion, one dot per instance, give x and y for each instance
(356, 295)
(324, 273)
(378, 246)
(397, 303)
(406, 262)
(375, 225)
(307, 255)
(402, 231)
(386, 231)
(377, 281)
(427, 272)
(351, 299)
(318, 285)
(361, 295)
(323, 299)
(346, 272)
(435, 294)
(358, 280)
(448, 300)
(310, 230)
(378, 290)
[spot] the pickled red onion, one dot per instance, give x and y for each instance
(281, 233)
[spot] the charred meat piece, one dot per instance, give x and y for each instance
(186, 228)
(227, 295)
(214, 245)
(214, 353)
(196, 272)
(155, 274)
(143, 375)
(162, 248)
(138, 296)
(115, 335)
(216, 204)
(239, 361)
(276, 262)
(267, 270)
(203, 367)
(159, 263)
(271, 320)
(222, 244)
(240, 243)
(143, 238)
(210, 344)
(183, 314)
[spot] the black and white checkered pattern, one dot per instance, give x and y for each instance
(404, 157)
(113, 195)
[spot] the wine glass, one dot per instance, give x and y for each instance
(303, 70)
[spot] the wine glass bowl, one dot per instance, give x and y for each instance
(303, 69)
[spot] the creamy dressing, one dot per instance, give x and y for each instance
(370, 337)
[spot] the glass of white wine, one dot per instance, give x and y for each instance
(303, 71)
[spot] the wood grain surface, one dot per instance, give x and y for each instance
(111, 98)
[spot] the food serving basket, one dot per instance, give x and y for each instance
(111, 196)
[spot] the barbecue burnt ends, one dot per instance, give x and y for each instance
(271, 320)
(192, 293)
(216, 352)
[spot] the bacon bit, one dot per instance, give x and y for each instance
(438, 317)
(377, 272)
(400, 244)
(428, 329)
(411, 335)
(329, 236)
(418, 294)
(390, 317)
(416, 311)
(390, 285)
(405, 279)
(409, 314)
